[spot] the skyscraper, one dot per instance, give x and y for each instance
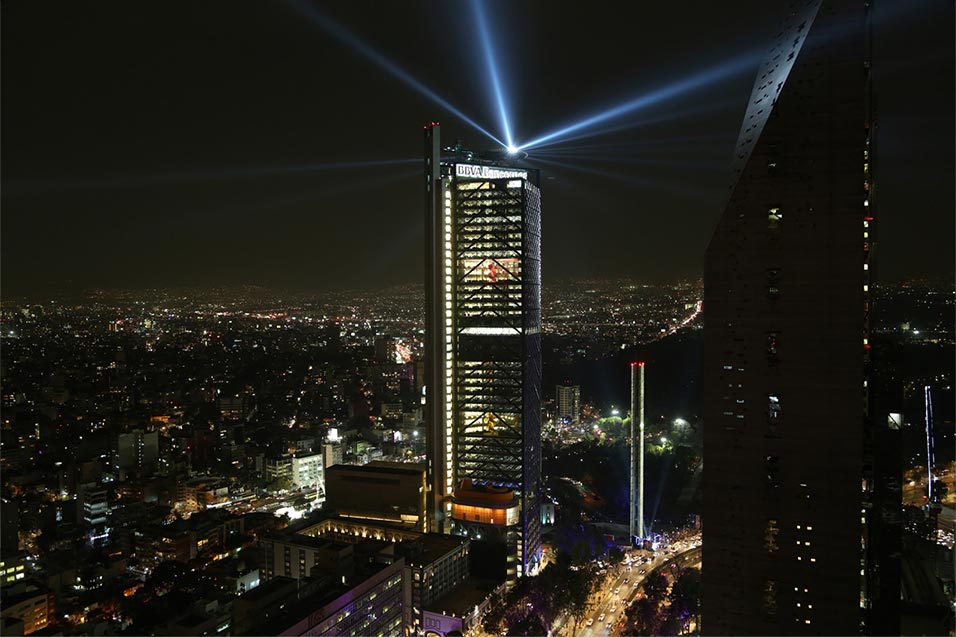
(786, 347)
(568, 403)
(483, 350)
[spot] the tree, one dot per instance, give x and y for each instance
(559, 588)
(527, 623)
(615, 556)
(685, 597)
(280, 484)
(655, 587)
(670, 624)
(613, 427)
(644, 617)
(491, 622)
(572, 592)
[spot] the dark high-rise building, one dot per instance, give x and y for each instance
(483, 351)
(786, 283)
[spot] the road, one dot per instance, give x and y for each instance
(623, 583)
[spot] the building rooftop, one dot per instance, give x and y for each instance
(377, 466)
(430, 547)
(462, 599)
(484, 495)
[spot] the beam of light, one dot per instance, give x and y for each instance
(659, 494)
(827, 30)
(287, 199)
(492, 66)
(671, 115)
(652, 143)
(741, 63)
(641, 161)
(701, 153)
(648, 183)
(15, 187)
(346, 37)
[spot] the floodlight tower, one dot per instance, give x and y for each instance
(637, 449)
(930, 444)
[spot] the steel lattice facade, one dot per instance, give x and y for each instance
(483, 351)
(497, 312)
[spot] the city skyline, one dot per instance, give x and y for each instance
(229, 159)
(333, 319)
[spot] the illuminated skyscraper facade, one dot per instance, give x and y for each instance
(483, 350)
(786, 343)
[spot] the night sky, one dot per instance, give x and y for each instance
(155, 144)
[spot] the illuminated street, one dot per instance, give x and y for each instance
(621, 585)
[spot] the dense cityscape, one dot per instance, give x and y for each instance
(145, 433)
(525, 388)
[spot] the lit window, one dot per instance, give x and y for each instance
(773, 283)
(770, 536)
(774, 217)
(770, 597)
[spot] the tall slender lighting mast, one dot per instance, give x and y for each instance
(633, 445)
(637, 450)
(640, 455)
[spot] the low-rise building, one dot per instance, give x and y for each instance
(307, 472)
(30, 602)
(326, 607)
(380, 491)
(295, 556)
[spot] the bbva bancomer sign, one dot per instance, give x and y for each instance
(472, 171)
